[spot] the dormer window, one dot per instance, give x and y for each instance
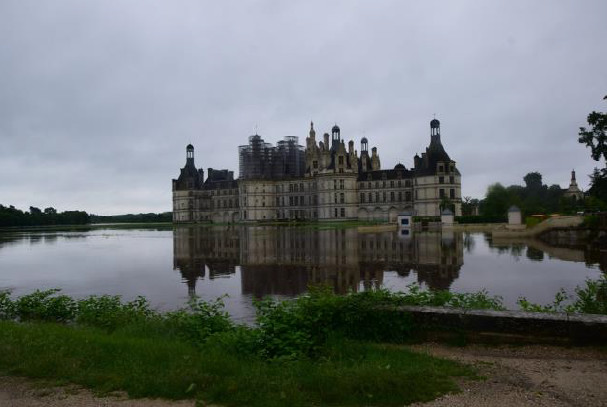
(440, 168)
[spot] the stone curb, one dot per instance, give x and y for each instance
(510, 326)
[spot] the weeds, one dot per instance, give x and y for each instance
(590, 299)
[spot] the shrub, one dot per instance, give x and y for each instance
(200, 320)
(480, 219)
(42, 305)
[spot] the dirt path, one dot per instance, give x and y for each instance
(527, 376)
(516, 376)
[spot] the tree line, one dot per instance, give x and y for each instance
(537, 198)
(134, 218)
(11, 216)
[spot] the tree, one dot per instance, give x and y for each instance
(533, 181)
(496, 202)
(596, 139)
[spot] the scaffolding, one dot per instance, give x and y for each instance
(260, 160)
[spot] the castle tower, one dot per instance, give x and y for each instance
(573, 191)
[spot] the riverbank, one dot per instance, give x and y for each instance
(541, 376)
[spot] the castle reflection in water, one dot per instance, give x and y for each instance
(285, 261)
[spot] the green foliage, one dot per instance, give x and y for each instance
(596, 136)
(200, 320)
(10, 216)
(301, 327)
(480, 219)
(531, 221)
(590, 299)
(591, 221)
(44, 306)
(348, 374)
(134, 218)
(496, 202)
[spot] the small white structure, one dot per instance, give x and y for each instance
(447, 218)
(514, 216)
(405, 220)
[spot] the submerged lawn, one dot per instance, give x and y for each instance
(349, 373)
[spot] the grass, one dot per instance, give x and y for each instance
(144, 365)
(319, 349)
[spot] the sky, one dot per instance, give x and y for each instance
(98, 99)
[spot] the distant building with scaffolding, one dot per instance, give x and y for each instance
(323, 181)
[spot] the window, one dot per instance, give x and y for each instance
(377, 197)
(341, 197)
(376, 184)
(343, 212)
(383, 184)
(301, 187)
(441, 180)
(336, 212)
(362, 197)
(451, 179)
(384, 196)
(392, 184)
(440, 168)
(335, 198)
(452, 193)
(315, 164)
(408, 196)
(400, 196)
(441, 193)
(334, 184)
(290, 201)
(341, 160)
(399, 183)
(368, 185)
(341, 184)
(392, 196)
(370, 196)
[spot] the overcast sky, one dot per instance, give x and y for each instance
(98, 99)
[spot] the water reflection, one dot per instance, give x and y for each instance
(284, 261)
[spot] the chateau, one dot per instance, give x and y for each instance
(323, 181)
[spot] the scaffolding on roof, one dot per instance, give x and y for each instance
(260, 160)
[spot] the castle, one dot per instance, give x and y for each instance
(323, 181)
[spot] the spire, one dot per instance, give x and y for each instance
(312, 132)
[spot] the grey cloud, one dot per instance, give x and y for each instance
(98, 99)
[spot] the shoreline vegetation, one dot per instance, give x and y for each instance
(320, 348)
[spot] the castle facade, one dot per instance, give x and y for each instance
(322, 181)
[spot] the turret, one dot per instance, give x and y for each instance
(189, 155)
(335, 137)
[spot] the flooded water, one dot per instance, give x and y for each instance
(169, 266)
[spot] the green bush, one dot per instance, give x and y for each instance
(591, 221)
(480, 219)
(590, 299)
(44, 306)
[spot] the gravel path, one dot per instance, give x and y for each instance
(515, 376)
(527, 376)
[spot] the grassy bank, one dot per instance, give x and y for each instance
(320, 349)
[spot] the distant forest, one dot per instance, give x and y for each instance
(11, 216)
(131, 218)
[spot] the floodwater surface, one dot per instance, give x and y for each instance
(241, 263)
